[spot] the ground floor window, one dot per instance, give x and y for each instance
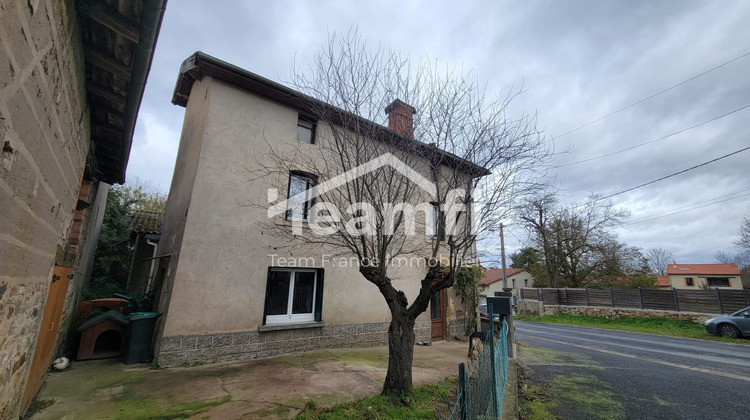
(293, 295)
(718, 281)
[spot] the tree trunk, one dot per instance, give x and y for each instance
(398, 385)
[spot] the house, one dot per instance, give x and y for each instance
(228, 288)
(72, 76)
(145, 230)
(698, 276)
(492, 282)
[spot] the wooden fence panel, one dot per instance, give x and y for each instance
(659, 299)
(734, 300)
(576, 297)
(529, 294)
(550, 296)
(626, 298)
(600, 297)
(704, 301)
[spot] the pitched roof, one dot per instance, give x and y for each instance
(729, 269)
(663, 281)
(494, 275)
(200, 64)
(143, 221)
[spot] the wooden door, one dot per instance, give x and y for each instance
(47, 338)
(437, 314)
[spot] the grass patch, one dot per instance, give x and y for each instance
(660, 326)
(587, 394)
(533, 402)
(422, 405)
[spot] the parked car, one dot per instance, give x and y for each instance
(484, 314)
(734, 325)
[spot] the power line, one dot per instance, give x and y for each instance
(655, 94)
(691, 207)
(676, 173)
(654, 140)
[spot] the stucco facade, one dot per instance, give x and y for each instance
(220, 250)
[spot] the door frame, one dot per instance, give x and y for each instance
(442, 299)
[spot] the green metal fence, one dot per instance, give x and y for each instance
(481, 385)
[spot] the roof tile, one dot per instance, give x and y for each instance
(730, 269)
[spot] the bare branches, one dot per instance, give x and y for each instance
(575, 241)
(658, 259)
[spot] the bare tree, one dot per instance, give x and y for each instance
(479, 160)
(658, 259)
(744, 239)
(574, 240)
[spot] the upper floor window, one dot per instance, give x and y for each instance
(299, 198)
(689, 281)
(305, 130)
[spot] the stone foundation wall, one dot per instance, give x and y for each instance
(607, 312)
(44, 137)
(246, 345)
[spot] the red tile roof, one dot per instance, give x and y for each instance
(494, 275)
(663, 281)
(730, 269)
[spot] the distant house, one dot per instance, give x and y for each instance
(493, 280)
(697, 276)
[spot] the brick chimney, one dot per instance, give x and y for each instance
(401, 118)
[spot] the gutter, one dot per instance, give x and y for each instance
(152, 264)
(151, 18)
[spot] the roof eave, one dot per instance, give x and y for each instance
(200, 64)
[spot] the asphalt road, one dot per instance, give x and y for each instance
(594, 373)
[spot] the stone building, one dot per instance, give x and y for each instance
(71, 81)
(221, 269)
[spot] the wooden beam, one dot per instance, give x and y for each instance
(109, 17)
(108, 94)
(97, 106)
(107, 63)
(108, 129)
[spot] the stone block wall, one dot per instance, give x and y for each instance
(253, 344)
(45, 140)
(457, 327)
(608, 312)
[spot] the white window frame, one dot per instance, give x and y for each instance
(289, 317)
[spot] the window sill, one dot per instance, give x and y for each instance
(295, 326)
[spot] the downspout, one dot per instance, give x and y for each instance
(151, 18)
(152, 266)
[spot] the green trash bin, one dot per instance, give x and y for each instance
(141, 331)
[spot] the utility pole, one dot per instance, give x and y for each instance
(502, 256)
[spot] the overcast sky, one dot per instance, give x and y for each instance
(581, 60)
